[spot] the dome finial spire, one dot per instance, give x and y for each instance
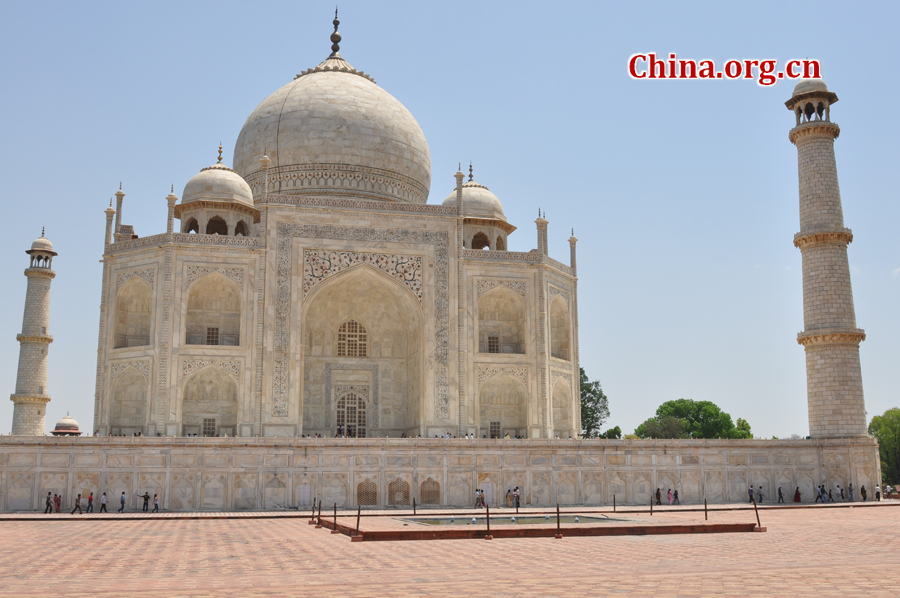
(335, 37)
(220, 153)
(470, 171)
(42, 231)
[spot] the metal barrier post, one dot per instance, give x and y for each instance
(558, 535)
(488, 519)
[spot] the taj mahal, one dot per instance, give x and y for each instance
(310, 290)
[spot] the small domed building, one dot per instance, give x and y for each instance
(312, 289)
(66, 427)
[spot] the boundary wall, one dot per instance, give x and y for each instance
(192, 474)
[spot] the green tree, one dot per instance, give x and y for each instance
(594, 406)
(886, 428)
(686, 418)
(612, 433)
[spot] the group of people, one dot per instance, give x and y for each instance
(54, 500)
(480, 503)
(672, 495)
(512, 497)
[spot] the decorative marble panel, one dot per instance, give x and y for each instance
(554, 374)
(554, 292)
(319, 265)
(517, 372)
(376, 406)
(483, 286)
(143, 366)
(148, 274)
(232, 366)
(196, 272)
(362, 391)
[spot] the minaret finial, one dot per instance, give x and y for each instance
(172, 190)
(120, 185)
(220, 153)
(470, 171)
(110, 202)
(42, 231)
(335, 37)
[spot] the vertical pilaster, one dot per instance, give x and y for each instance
(461, 337)
(576, 362)
(119, 197)
(101, 335)
(165, 342)
(261, 308)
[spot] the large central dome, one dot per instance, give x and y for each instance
(333, 131)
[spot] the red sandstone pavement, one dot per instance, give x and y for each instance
(819, 551)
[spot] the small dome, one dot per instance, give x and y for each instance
(810, 85)
(42, 244)
(478, 202)
(66, 427)
(218, 183)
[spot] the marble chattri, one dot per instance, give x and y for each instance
(332, 130)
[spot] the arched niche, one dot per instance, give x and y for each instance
(392, 349)
(209, 403)
(128, 403)
(213, 312)
(502, 406)
(501, 321)
(481, 241)
(562, 409)
(132, 318)
(501, 243)
(191, 226)
(217, 226)
(241, 229)
(560, 345)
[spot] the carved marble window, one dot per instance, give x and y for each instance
(351, 340)
(495, 429)
(367, 493)
(209, 426)
(398, 492)
(493, 344)
(351, 416)
(430, 493)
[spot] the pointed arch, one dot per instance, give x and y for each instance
(241, 229)
(129, 403)
(217, 226)
(209, 403)
(501, 322)
(132, 315)
(481, 241)
(213, 311)
(191, 226)
(561, 400)
(560, 329)
(502, 406)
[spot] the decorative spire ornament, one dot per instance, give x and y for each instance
(335, 37)
(220, 153)
(471, 178)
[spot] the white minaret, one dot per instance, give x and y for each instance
(833, 377)
(31, 397)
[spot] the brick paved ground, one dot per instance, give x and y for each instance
(807, 552)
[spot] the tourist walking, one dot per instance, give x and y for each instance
(49, 508)
(760, 494)
(122, 503)
(830, 498)
(77, 506)
(819, 495)
(780, 495)
(516, 497)
(863, 493)
(850, 492)
(669, 496)
(156, 503)
(103, 503)
(841, 492)
(56, 500)
(750, 492)
(90, 507)
(797, 494)
(675, 496)
(479, 499)
(658, 497)
(509, 502)
(146, 498)
(877, 494)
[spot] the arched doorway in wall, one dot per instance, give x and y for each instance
(128, 403)
(213, 312)
(351, 416)
(363, 332)
(209, 404)
(562, 409)
(132, 319)
(502, 406)
(501, 321)
(481, 241)
(217, 226)
(560, 325)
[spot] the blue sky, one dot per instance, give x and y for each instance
(683, 194)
